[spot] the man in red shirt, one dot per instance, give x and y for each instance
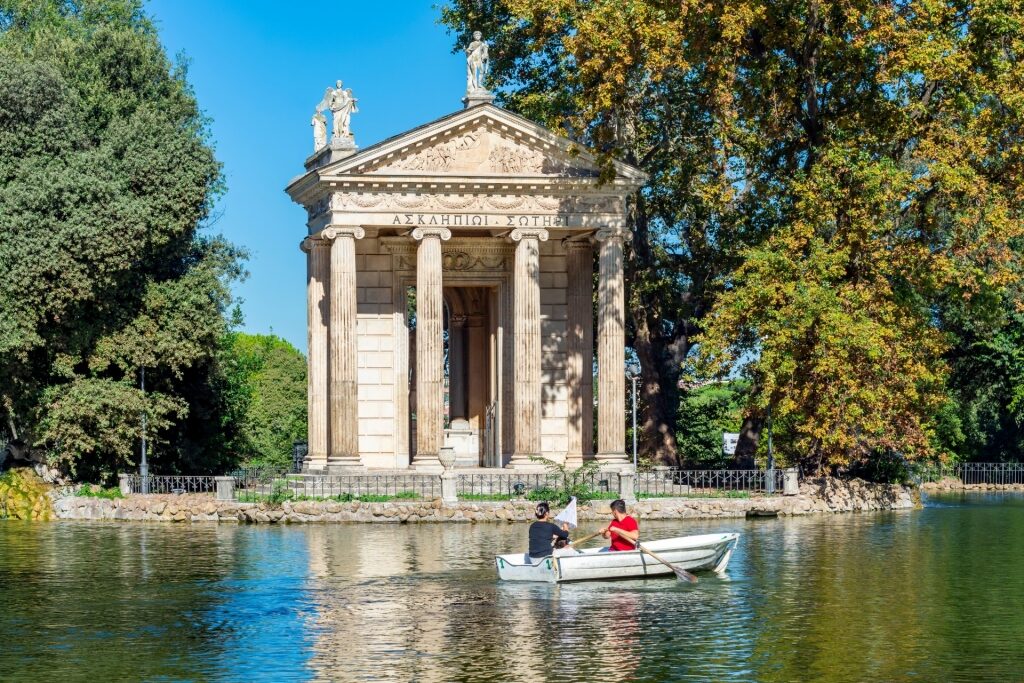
(623, 529)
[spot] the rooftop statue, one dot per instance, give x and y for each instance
(477, 64)
(342, 105)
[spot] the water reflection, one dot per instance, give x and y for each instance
(927, 595)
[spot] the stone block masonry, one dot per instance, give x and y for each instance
(816, 496)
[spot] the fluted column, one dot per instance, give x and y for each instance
(318, 258)
(527, 347)
(429, 347)
(344, 396)
(611, 350)
(580, 351)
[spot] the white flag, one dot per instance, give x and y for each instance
(568, 515)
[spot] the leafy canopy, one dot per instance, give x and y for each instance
(106, 178)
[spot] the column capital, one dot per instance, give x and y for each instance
(455, 321)
(575, 243)
(335, 231)
(312, 242)
(529, 233)
(611, 234)
(419, 234)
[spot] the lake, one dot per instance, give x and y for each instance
(929, 595)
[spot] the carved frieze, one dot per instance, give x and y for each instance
(461, 261)
(472, 203)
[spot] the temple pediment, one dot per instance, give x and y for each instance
(479, 142)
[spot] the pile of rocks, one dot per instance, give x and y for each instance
(819, 495)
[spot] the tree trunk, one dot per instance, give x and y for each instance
(658, 372)
(746, 447)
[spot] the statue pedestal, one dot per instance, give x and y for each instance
(338, 148)
(478, 97)
(344, 144)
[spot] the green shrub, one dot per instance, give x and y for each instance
(89, 491)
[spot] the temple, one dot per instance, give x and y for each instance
(450, 296)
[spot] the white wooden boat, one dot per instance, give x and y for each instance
(692, 553)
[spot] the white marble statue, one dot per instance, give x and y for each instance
(477, 63)
(342, 106)
(319, 124)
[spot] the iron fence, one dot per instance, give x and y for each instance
(970, 473)
(672, 481)
(263, 484)
(519, 485)
(173, 483)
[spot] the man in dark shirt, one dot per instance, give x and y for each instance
(543, 532)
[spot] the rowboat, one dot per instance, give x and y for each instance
(693, 553)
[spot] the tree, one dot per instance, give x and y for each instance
(705, 413)
(622, 79)
(106, 179)
(268, 380)
(827, 179)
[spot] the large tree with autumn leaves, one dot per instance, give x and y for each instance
(834, 203)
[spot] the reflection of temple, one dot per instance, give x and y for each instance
(463, 253)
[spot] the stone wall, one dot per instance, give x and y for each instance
(816, 496)
(951, 484)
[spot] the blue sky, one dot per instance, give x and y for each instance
(259, 68)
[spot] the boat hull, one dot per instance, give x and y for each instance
(693, 553)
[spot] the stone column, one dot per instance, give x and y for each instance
(457, 366)
(580, 351)
(611, 350)
(318, 252)
(429, 347)
(527, 348)
(344, 401)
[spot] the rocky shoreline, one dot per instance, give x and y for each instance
(826, 495)
(951, 484)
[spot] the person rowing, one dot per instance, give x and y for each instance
(544, 532)
(622, 531)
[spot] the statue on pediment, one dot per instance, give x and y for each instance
(477, 64)
(319, 124)
(342, 105)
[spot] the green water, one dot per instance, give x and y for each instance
(928, 595)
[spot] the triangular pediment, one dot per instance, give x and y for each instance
(482, 141)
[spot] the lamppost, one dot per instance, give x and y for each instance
(633, 372)
(771, 454)
(143, 465)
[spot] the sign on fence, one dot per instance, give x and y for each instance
(729, 441)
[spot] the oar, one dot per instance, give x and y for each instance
(681, 573)
(584, 539)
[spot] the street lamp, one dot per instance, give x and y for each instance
(633, 372)
(143, 464)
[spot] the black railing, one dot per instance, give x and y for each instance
(672, 481)
(173, 483)
(972, 473)
(513, 485)
(277, 486)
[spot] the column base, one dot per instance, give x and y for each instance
(613, 460)
(315, 462)
(345, 466)
(524, 464)
(427, 463)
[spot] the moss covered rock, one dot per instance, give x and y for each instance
(23, 495)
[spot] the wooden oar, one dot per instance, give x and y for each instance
(681, 573)
(584, 539)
